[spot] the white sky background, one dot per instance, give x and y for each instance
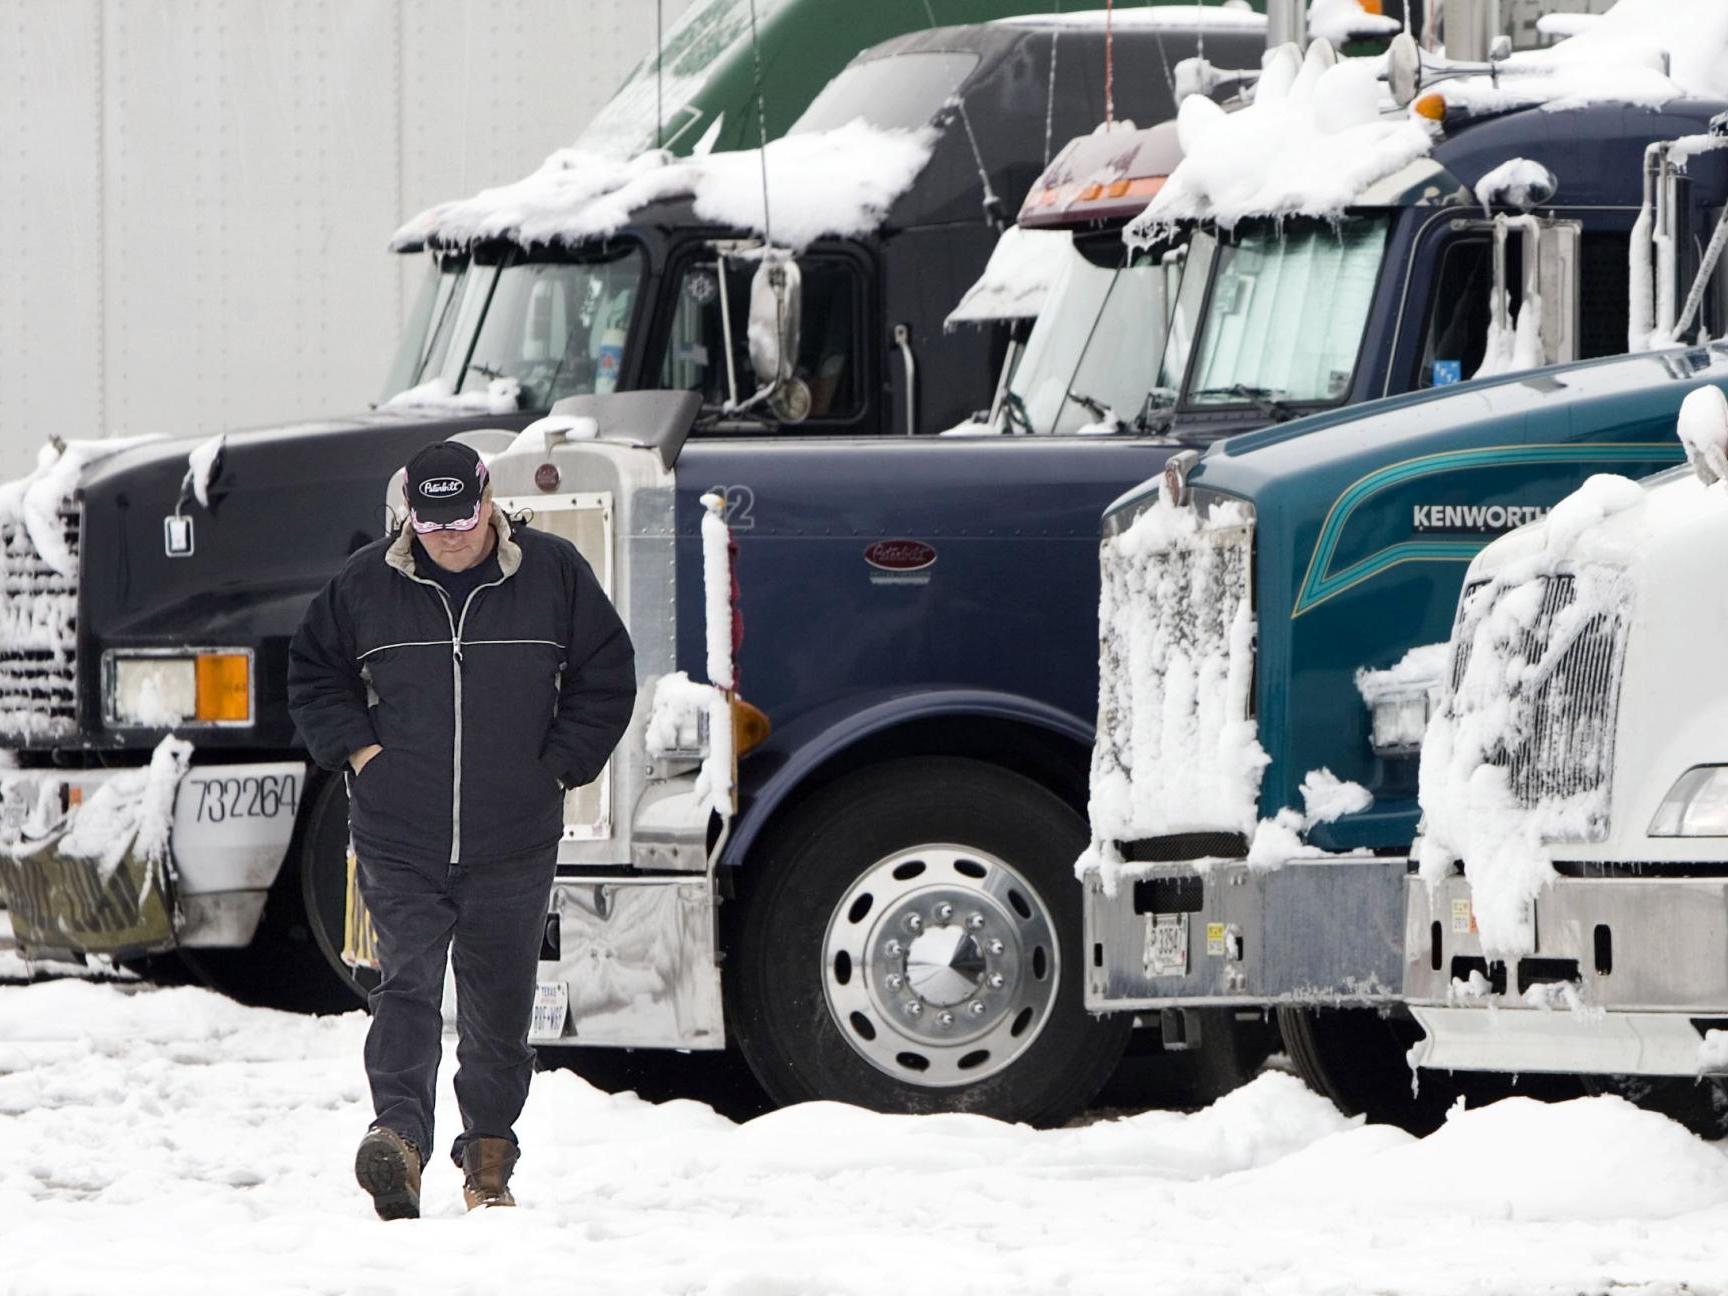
(195, 195)
(172, 1142)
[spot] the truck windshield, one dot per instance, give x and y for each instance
(1285, 316)
(1094, 353)
(661, 101)
(554, 328)
(900, 92)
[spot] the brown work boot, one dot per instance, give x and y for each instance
(388, 1166)
(486, 1167)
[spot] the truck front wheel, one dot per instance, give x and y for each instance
(1359, 1058)
(910, 941)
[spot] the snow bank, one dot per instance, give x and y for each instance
(1311, 142)
(502, 396)
(1593, 1159)
(1023, 267)
(1514, 758)
(840, 182)
(1176, 749)
(1641, 52)
(165, 1141)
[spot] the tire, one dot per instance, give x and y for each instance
(941, 883)
(1700, 1104)
(1358, 1058)
(722, 1079)
(1231, 1051)
(295, 960)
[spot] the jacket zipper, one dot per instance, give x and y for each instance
(456, 625)
(456, 668)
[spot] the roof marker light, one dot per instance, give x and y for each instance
(1431, 107)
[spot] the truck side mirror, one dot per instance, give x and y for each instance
(1550, 282)
(1403, 69)
(776, 298)
(1703, 429)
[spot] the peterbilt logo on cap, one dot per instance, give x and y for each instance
(440, 487)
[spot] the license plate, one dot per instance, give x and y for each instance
(551, 1010)
(1167, 945)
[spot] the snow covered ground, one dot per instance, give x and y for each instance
(171, 1141)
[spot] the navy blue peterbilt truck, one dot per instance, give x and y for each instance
(883, 601)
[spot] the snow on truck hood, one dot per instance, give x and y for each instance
(1322, 134)
(840, 182)
(1312, 141)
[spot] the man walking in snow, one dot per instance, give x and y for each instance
(464, 673)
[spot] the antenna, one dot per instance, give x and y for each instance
(659, 73)
(991, 203)
(1109, 64)
(761, 127)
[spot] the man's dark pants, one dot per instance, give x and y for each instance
(490, 915)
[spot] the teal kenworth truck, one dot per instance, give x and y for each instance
(1272, 629)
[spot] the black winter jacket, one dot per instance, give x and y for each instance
(485, 713)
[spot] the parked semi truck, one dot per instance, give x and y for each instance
(878, 589)
(1260, 699)
(1249, 293)
(1572, 864)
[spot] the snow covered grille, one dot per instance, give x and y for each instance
(1565, 702)
(1176, 750)
(38, 625)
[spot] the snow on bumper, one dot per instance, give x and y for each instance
(135, 861)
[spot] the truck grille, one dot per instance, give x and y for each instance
(1176, 751)
(1565, 701)
(38, 635)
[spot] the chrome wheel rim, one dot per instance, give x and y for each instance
(940, 965)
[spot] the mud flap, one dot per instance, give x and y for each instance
(60, 904)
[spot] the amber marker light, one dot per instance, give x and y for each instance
(1430, 107)
(750, 726)
(224, 687)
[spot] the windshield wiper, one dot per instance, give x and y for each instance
(1015, 408)
(1261, 398)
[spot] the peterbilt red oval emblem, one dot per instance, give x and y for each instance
(546, 477)
(900, 555)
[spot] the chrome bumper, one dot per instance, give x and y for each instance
(229, 833)
(638, 962)
(1625, 976)
(1314, 931)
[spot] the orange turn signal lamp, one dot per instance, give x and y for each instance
(224, 686)
(1430, 107)
(750, 726)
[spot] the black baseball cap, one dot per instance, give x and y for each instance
(444, 483)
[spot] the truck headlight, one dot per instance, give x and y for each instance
(177, 690)
(1399, 723)
(1696, 806)
(1402, 699)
